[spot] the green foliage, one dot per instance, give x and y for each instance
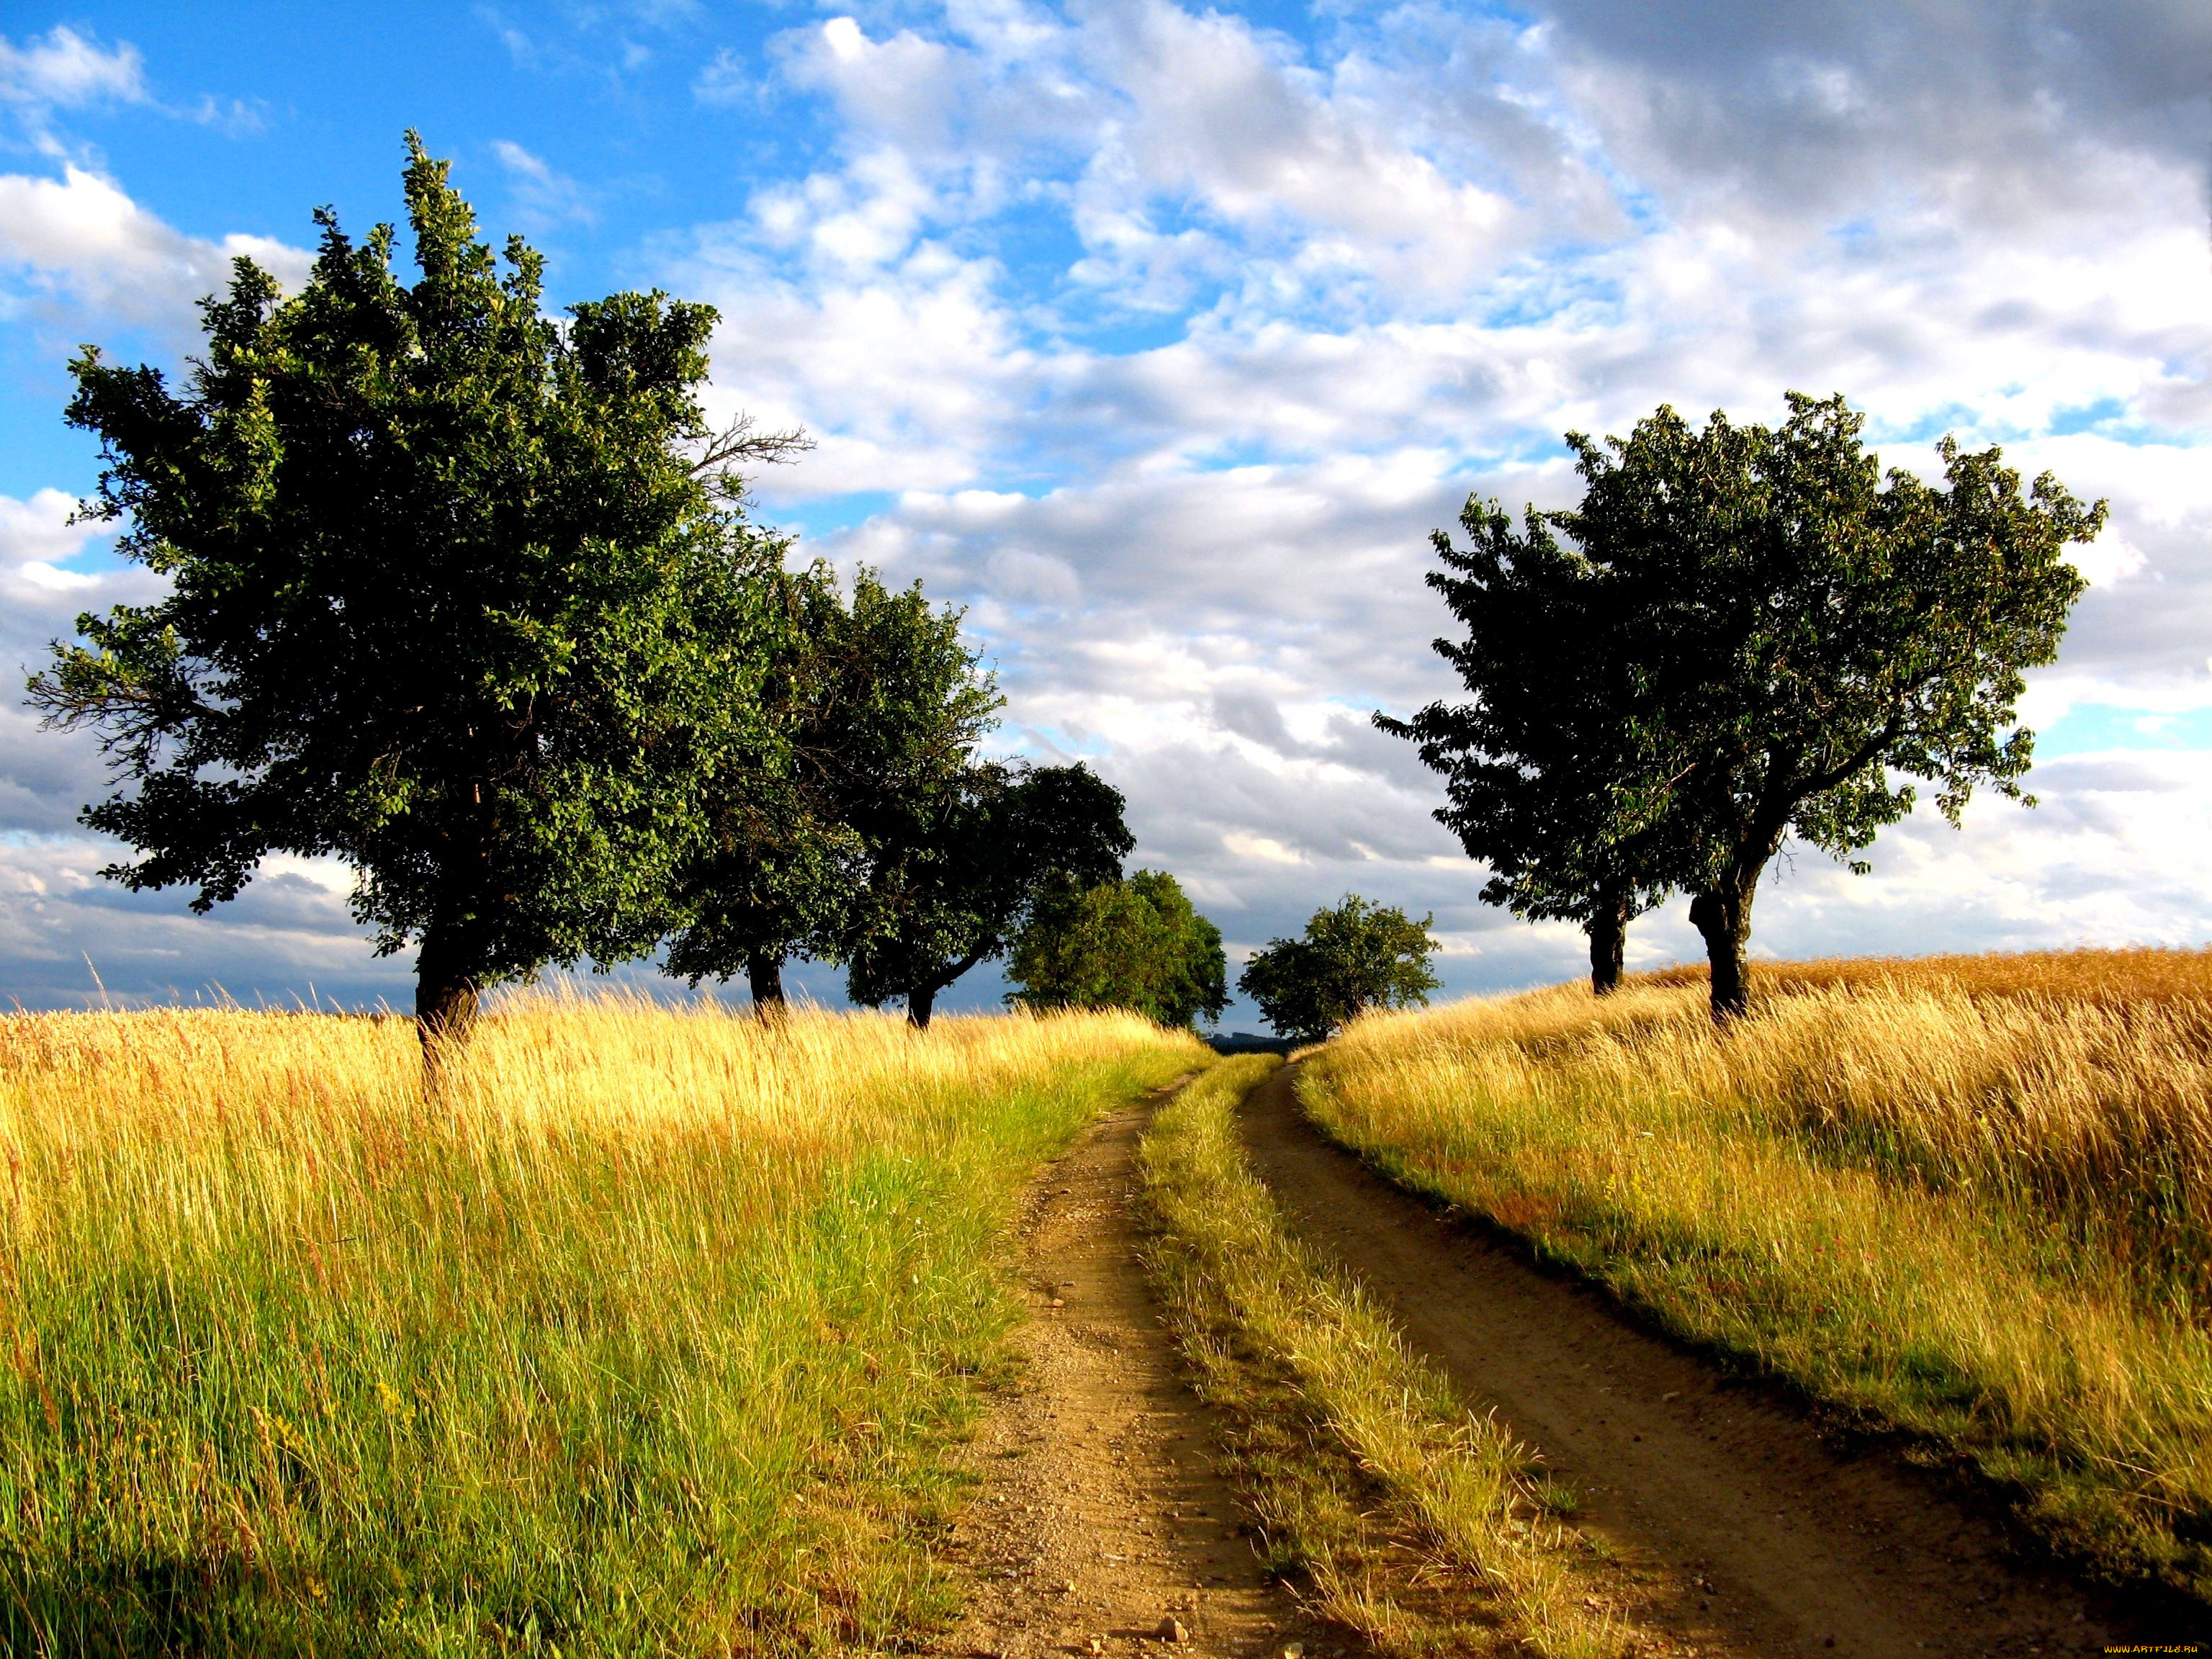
(1355, 956)
(1755, 635)
(1135, 944)
(1804, 635)
(1551, 781)
(448, 598)
(870, 711)
(957, 869)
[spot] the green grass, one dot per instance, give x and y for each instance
(651, 1345)
(1401, 1515)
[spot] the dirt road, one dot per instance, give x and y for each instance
(1791, 1544)
(1102, 1515)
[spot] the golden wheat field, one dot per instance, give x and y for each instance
(1968, 1198)
(635, 1340)
(2126, 977)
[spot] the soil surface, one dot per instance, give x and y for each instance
(1774, 1539)
(1101, 1515)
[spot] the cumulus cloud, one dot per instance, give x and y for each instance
(80, 242)
(1992, 117)
(73, 940)
(1199, 562)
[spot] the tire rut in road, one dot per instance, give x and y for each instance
(1102, 1511)
(1775, 1541)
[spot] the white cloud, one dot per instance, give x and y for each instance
(81, 241)
(901, 361)
(63, 70)
(1225, 568)
(541, 197)
(723, 80)
(67, 934)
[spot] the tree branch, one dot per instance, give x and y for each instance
(741, 442)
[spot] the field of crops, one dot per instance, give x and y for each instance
(1968, 1198)
(637, 1340)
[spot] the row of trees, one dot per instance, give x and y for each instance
(1741, 635)
(468, 595)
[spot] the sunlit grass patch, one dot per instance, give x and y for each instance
(1978, 1209)
(637, 1341)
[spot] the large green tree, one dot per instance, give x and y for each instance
(1137, 943)
(872, 710)
(458, 592)
(1352, 957)
(1809, 637)
(1552, 776)
(956, 871)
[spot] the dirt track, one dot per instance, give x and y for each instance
(1791, 1544)
(1102, 1512)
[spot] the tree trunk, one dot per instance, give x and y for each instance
(918, 1006)
(1723, 914)
(764, 973)
(1608, 940)
(447, 993)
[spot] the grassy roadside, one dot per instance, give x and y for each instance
(642, 1342)
(1958, 1205)
(1406, 1518)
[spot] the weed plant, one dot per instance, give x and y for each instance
(637, 1342)
(1419, 1525)
(1970, 1199)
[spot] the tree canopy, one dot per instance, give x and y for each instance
(1808, 636)
(1754, 634)
(1551, 776)
(1137, 943)
(873, 709)
(1352, 957)
(459, 593)
(955, 870)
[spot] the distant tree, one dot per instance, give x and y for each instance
(1354, 958)
(872, 710)
(1136, 943)
(956, 871)
(1803, 631)
(459, 593)
(1552, 776)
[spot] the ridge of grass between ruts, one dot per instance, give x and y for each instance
(1967, 1211)
(1401, 1515)
(645, 1340)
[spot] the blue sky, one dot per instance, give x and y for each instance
(1160, 335)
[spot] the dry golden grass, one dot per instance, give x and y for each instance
(1974, 1208)
(2126, 978)
(637, 1341)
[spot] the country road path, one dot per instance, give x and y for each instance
(1739, 1530)
(1793, 1545)
(1102, 1512)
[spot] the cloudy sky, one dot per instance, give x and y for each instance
(1160, 336)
